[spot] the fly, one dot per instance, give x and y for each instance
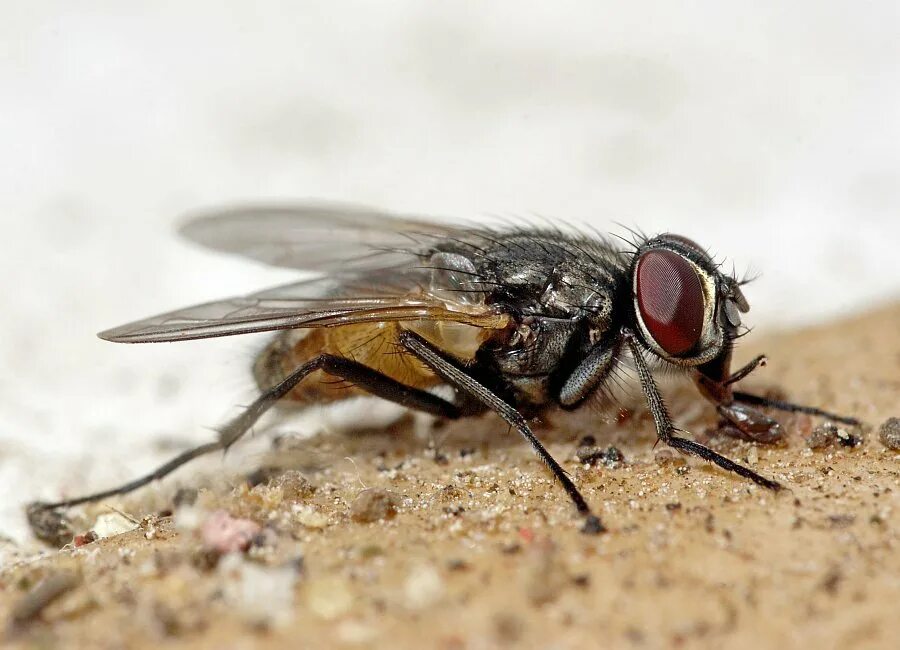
(514, 321)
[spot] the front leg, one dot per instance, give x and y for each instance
(741, 421)
(736, 407)
(665, 430)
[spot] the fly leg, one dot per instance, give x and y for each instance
(366, 378)
(452, 373)
(589, 374)
(757, 400)
(738, 420)
(742, 419)
(666, 430)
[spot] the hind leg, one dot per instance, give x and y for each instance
(360, 375)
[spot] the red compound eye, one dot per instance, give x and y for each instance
(670, 299)
(686, 241)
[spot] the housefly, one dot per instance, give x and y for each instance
(513, 320)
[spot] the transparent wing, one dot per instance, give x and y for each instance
(387, 295)
(315, 236)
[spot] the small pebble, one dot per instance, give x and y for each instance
(111, 524)
(84, 539)
(830, 434)
(423, 587)
(889, 433)
(263, 596)
(226, 534)
(374, 504)
(590, 455)
(310, 517)
(822, 436)
(51, 526)
(753, 456)
(849, 437)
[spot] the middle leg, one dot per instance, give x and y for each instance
(459, 378)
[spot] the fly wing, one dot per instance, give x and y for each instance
(316, 236)
(406, 294)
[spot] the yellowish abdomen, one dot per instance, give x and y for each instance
(375, 345)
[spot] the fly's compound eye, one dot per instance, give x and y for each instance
(670, 300)
(687, 242)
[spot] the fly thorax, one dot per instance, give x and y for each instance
(455, 280)
(572, 292)
(535, 346)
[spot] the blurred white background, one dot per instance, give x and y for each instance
(768, 131)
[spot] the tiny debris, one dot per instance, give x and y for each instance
(849, 437)
(51, 526)
(263, 596)
(111, 524)
(841, 520)
(223, 533)
(822, 436)
(832, 580)
(753, 455)
(582, 580)
(829, 434)
(591, 455)
(310, 517)
(149, 525)
(41, 595)
(889, 433)
(83, 539)
(450, 493)
(455, 510)
(294, 486)
(329, 598)
(508, 628)
(374, 504)
(423, 587)
(526, 534)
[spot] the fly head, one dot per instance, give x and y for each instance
(685, 309)
(688, 312)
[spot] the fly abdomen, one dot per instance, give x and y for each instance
(372, 344)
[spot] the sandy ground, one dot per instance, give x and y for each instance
(478, 549)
